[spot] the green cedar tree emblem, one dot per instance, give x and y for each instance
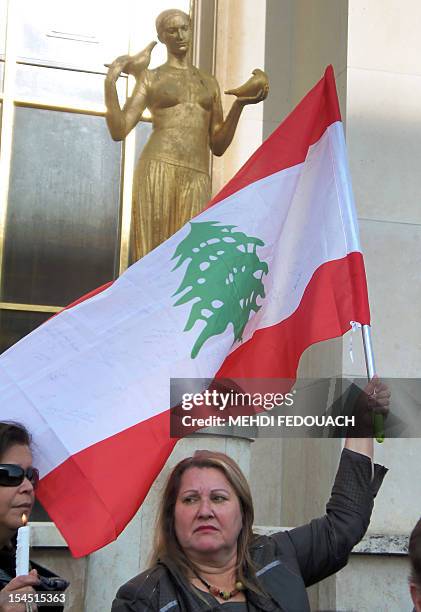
(224, 277)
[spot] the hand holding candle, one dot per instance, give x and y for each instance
(22, 548)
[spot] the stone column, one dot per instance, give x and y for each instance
(384, 144)
(291, 479)
(240, 47)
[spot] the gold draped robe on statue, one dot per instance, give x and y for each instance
(172, 183)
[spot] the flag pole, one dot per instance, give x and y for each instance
(371, 371)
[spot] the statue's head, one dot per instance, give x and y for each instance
(174, 30)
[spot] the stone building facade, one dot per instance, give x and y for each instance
(375, 48)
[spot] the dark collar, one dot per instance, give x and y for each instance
(192, 601)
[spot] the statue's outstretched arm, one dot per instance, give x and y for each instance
(222, 131)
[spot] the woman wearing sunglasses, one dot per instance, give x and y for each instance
(18, 480)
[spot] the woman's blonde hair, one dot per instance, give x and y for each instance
(165, 540)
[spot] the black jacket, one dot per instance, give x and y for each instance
(49, 581)
(287, 562)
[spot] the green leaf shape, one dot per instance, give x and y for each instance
(224, 277)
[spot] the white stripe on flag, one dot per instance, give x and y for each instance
(88, 361)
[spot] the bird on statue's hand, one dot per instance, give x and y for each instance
(257, 83)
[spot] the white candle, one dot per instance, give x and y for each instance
(22, 549)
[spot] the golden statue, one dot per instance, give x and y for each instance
(171, 182)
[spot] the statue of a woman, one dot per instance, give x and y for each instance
(171, 183)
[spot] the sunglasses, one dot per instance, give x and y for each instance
(12, 475)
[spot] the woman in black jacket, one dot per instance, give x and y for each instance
(18, 480)
(206, 557)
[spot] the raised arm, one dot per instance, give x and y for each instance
(322, 547)
(121, 121)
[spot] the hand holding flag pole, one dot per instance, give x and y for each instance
(378, 419)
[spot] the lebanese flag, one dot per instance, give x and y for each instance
(272, 266)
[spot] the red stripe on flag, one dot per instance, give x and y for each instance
(106, 475)
(289, 143)
(94, 494)
(336, 295)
